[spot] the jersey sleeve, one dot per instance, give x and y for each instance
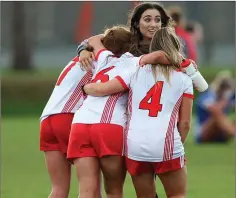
(129, 68)
(102, 58)
(188, 88)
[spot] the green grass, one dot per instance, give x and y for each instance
(54, 72)
(210, 167)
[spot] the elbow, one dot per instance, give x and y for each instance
(185, 125)
(184, 128)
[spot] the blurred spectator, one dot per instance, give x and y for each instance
(212, 111)
(189, 49)
(195, 30)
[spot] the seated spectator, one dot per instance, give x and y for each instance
(212, 110)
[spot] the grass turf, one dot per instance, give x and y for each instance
(210, 167)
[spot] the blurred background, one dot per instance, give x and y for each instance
(39, 38)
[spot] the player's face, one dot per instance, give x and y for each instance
(149, 23)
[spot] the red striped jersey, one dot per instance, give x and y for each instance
(108, 109)
(153, 106)
(67, 94)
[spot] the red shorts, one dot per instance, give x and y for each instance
(95, 140)
(55, 131)
(138, 167)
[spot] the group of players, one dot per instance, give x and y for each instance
(115, 110)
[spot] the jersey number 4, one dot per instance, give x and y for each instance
(151, 101)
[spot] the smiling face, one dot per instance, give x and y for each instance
(149, 23)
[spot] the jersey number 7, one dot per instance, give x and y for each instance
(68, 68)
(151, 101)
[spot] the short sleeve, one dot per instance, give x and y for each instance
(126, 71)
(188, 88)
(102, 58)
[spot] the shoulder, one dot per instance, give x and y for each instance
(103, 52)
(183, 76)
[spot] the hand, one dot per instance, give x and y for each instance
(194, 64)
(86, 60)
(186, 63)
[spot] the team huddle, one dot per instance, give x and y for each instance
(130, 111)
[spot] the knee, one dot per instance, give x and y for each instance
(216, 112)
(182, 195)
(59, 193)
(179, 196)
(113, 188)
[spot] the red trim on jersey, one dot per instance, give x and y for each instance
(77, 93)
(122, 82)
(99, 52)
(109, 108)
(129, 111)
(179, 70)
(76, 59)
(169, 140)
(185, 63)
(188, 95)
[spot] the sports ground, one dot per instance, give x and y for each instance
(211, 168)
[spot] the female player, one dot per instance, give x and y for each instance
(159, 96)
(96, 138)
(143, 21)
(57, 115)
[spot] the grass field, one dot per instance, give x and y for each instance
(210, 167)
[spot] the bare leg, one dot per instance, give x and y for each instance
(175, 183)
(114, 172)
(219, 123)
(60, 173)
(88, 175)
(144, 185)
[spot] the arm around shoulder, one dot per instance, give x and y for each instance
(103, 89)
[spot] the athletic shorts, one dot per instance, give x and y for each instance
(95, 140)
(55, 131)
(138, 167)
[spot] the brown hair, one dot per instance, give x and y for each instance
(133, 23)
(117, 39)
(175, 13)
(166, 40)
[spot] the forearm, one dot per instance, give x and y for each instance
(184, 128)
(94, 89)
(83, 46)
(157, 57)
(217, 106)
(104, 89)
(96, 43)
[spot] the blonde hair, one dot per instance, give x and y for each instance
(221, 76)
(165, 39)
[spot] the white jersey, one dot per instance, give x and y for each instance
(107, 109)
(152, 133)
(67, 95)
